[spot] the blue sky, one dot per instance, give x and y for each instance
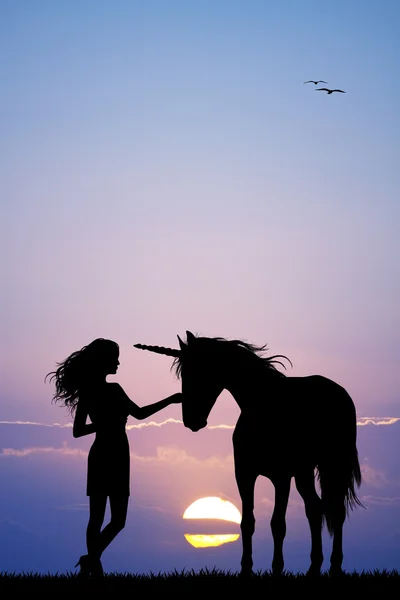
(163, 168)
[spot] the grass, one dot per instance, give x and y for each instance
(210, 582)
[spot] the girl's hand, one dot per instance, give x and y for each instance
(177, 398)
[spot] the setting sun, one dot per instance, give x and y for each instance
(213, 507)
(212, 540)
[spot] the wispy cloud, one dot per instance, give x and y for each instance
(155, 424)
(74, 507)
(266, 505)
(361, 422)
(12, 524)
(36, 424)
(63, 450)
(177, 456)
(381, 501)
(164, 454)
(373, 477)
(69, 425)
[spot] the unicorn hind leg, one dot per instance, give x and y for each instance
(337, 519)
(338, 496)
(333, 494)
(305, 484)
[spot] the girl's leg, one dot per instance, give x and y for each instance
(97, 510)
(119, 509)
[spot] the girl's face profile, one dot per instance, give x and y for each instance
(110, 361)
(113, 363)
(105, 362)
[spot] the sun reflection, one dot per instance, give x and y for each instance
(207, 541)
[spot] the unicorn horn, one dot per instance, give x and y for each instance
(159, 350)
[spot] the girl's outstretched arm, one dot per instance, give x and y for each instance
(80, 427)
(142, 412)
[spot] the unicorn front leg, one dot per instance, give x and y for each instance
(278, 521)
(246, 490)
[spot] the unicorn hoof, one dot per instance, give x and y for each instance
(245, 573)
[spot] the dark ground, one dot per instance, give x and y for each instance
(210, 583)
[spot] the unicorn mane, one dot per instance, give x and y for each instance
(231, 348)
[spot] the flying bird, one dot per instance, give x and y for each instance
(328, 91)
(316, 82)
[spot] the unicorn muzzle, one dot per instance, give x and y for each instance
(194, 425)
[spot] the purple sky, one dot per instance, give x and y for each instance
(163, 168)
(44, 509)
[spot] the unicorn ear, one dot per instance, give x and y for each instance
(181, 344)
(190, 337)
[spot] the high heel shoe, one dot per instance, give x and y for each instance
(96, 569)
(84, 563)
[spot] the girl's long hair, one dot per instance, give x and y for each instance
(73, 373)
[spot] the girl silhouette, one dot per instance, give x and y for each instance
(81, 387)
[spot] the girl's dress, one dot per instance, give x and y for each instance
(108, 469)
